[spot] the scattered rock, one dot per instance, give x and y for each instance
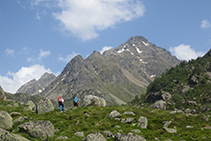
(7, 136)
(44, 105)
(137, 131)
(14, 114)
(143, 122)
(170, 130)
(37, 129)
(5, 120)
(159, 105)
(130, 137)
(21, 119)
(114, 114)
(96, 136)
(128, 120)
(116, 126)
(188, 126)
(91, 100)
(108, 134)
(62, 138)
(166, 96)
(30, 106)
(80, 134)
(128, 113)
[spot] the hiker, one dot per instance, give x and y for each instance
(76, 101)
(61, 104)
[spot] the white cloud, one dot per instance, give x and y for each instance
(84, 18)
(13, 81)
(185, 52)
(105, 48)
(68, 57)
(43, 54)
(205, 24)
(39, 58)
(10, 52)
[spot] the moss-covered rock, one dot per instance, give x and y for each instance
(5, 120)
(7, 136)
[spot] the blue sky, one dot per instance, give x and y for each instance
(38, 36)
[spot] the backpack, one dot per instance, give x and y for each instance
(75, 99)
(60, 99)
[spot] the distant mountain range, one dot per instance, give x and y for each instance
(117, 75)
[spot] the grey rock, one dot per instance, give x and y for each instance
(137, 131)
(128, 113)
(62, 138)
(128, 120)
(80, 134)
(159, 105)
(170, 130)
(21, 119)
(7, 136)
(143, 122)
(13, 114)
(2, 94)
(123, 137)
(108, 134)
(96, 136)
(166, 96)
(5, 120)
(30, 106)
(37, 129)
(44, 105)
(114, 114)
(91, 100)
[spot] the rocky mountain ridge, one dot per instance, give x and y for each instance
(37, 86)
(117, 75)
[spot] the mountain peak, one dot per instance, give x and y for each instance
(136, 39)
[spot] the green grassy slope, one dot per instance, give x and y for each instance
(73, 120)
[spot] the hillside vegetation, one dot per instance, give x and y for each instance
(189, 86)
(95, 119)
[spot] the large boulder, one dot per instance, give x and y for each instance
(7, 136)
(44, 105)
(91, 100)
(2, 95)
(37, 129)
(5, 120)
(96, 136)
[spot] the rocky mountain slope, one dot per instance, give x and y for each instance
(117, 75)
(37, 86)
(186, 87)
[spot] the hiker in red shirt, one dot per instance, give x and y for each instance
(61, 104)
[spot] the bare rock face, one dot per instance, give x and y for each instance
(5, 120)
(37, 129)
